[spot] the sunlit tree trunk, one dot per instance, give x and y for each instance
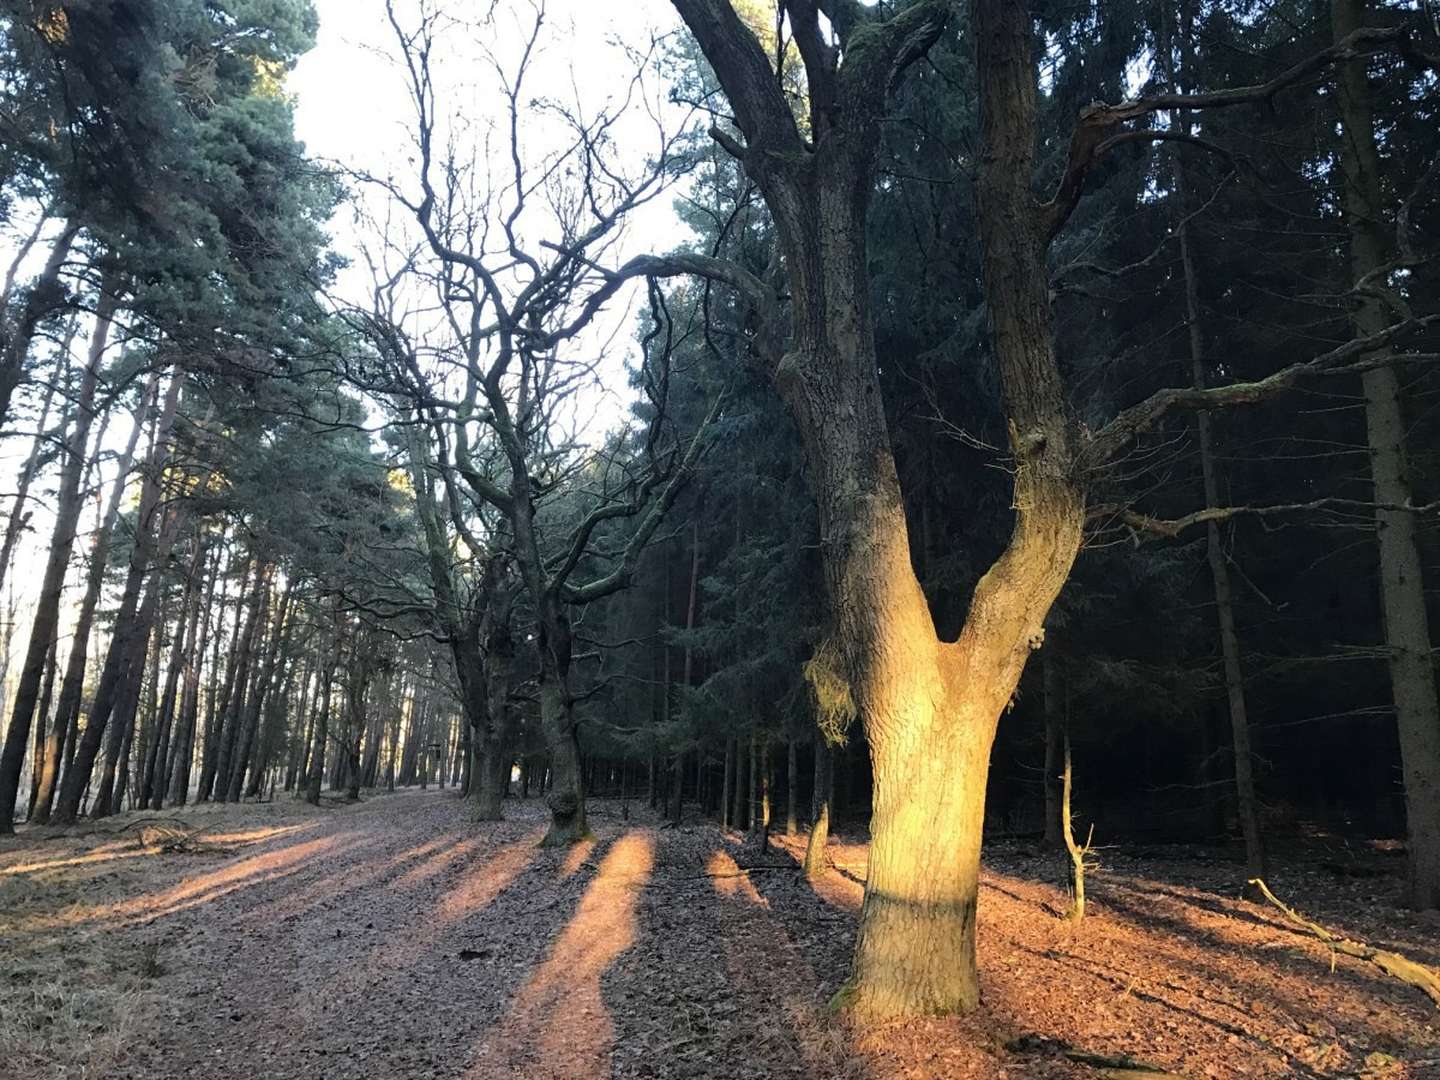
(815, 855)
(1402, 581)
(930, 708)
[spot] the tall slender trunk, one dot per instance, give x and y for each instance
(1402, 579)
(271, 658)
(1054, 747)
(18, 517)
(46, 295)
(218, 705)
(131, 632)
(72, 686)
(322, 718)
(183, 752)
(792, 789)
(1246, 800)
(62, 543)
(228, 727)
(42, 715)
(135, 640)
(152, 788)
(728, 783)
(815, 862)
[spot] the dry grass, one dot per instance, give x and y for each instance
(74, 995)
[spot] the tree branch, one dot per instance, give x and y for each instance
(1117, 434)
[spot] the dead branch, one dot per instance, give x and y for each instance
(1392, 963)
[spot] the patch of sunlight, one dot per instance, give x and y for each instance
(478, 886)
(558, 1023)
(353, 872)
(730, 880)
(437, 862)
(576, 858)
(90, 858)
(240, 874)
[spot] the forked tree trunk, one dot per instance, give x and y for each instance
(1402, 580)
(930, 708)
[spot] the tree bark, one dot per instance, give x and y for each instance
(322, 722)
(1402, 585)
(792, 761)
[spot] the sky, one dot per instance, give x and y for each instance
(353, 107)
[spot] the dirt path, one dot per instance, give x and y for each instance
(394, 939)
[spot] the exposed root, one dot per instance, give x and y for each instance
(1392, 963)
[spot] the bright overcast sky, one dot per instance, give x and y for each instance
(353, 107)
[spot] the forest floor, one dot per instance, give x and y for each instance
(393, 939)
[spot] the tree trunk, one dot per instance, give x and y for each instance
(1054, 748)
(1246, 800)
(1402, 585)
(274, 658)
(728, 784)
(18, 517)
(322, 721)
(232, 720)
(132, 637)
(815, 862)
(47, 610)
(218, 703)
(178, 785)
(46, 295)
(792, 759)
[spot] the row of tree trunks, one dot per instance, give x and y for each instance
(67, 517)
(117, 693)
(58, 744)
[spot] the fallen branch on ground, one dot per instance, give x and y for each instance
(1119, 1065)
(1392, 963)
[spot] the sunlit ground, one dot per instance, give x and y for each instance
(395, 938)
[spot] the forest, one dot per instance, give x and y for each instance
(719, 538)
